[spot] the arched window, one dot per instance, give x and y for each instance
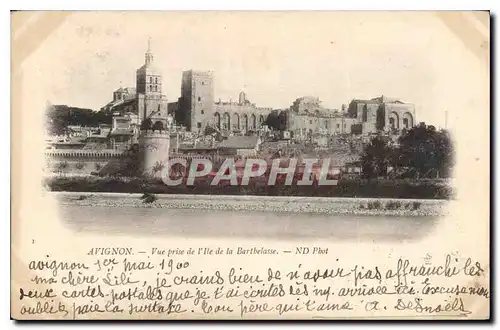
(156, 88)
(217, 119)
(150, 88)
(365, 114)
(226, 121)
(245, 122)
(405, 122)
(236, 121)
(156, 80)
(151, 79)
(393, 120)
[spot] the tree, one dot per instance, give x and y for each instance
(59, 117)
(376, 158)
(158, 167)
(211, 130)
(427, 151)
(273, 120)
(276, 120)
(146, 124)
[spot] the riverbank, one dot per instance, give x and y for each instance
(351, 188)
(287, 204)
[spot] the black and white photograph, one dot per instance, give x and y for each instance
(311, 142)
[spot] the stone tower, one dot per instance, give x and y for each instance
(154, 152)
(151, 102)
(197, 100)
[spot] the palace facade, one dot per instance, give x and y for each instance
(307, 117)
(197, 109)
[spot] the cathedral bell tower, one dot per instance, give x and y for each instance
(151, 102)
(148, 77)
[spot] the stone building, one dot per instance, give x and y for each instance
(146, 100)
(382, 114)
(247, 146)
(124, 100)
(154, 149)
(307, 118)
(124, 131)
(151, 102)
(196, 104)
(197, 108)
(242, 116)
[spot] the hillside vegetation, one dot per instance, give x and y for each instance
(59, 117)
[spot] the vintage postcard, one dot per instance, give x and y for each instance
(250, 165)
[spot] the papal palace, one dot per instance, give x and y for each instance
(198, 108)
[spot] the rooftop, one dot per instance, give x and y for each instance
(379, 100)
(240, 142)
(149, 68)
(122, 131)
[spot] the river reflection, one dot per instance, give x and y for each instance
(275, 226)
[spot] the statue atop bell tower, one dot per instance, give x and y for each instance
(149, 54)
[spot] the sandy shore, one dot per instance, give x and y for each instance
(322, 205)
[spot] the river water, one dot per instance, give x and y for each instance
(263, 225)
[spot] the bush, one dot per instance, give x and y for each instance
(62, 166)
(98, 167)
(158, 167)
(374, 205)
(257, 187)
(80, 165)
(148, 198)
(393, 205)
(416, 205)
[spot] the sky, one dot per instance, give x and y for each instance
(275, 57)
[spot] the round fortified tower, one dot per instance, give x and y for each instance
(154, 149)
